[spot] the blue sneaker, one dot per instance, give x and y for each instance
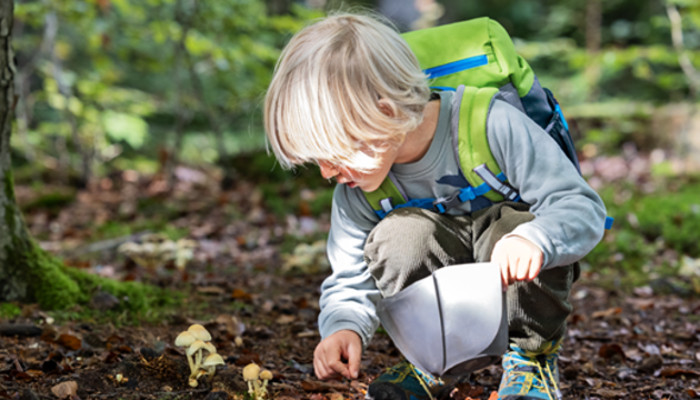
(530, 375)
(403, 381)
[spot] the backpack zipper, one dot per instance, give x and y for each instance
(457, 66)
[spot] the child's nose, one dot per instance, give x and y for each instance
(327, 171)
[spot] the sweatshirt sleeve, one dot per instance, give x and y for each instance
(349, 294)
(569, 214)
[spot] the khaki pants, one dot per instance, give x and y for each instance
(410, 243)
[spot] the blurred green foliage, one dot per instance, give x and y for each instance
(652, 236)
(102, 79)
(127, 84)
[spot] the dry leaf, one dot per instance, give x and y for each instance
(65, 389)
(240, 294)
(611, 350)
(677, 372)
(69, 341)
(320, 386)
(286, 319)
(232, 324)
(606, 313)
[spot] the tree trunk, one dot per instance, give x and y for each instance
(26, 272)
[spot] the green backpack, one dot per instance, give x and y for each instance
(480, 55)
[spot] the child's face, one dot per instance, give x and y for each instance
(367, 181)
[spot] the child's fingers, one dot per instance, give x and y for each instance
(339, 367)
(535, 266)
(354, 355)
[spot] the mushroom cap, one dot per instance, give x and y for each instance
(213, 360)
(210, 348)
(251, 372)
(265, 375)
(199, 332)
(184, 339)
(198, 344)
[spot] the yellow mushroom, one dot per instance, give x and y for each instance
(266, 376)
(196, 350)
(211, 362)
(185, 339)
(251, 372)
(199, 332)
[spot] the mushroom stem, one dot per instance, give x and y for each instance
(191, 364)
(198, 359)
(251, 391)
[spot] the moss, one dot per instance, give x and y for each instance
(51, 201)
(9, 310)
(135, 296)
(50, 286)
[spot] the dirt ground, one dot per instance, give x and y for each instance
(639, 345)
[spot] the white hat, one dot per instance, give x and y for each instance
(452, 322)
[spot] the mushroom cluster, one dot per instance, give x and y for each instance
(196, 340)
(156, 250)
(257, 381)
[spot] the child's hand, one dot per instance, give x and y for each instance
(338, 354)
(518, 258)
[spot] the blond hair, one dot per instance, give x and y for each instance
(344, 89)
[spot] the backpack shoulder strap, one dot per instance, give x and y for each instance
(387, 196)
(473, 152)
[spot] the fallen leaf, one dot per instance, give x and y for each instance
(70, 341)
(677, 372)
(611, 393)
(65, 389)
(651, 363)
(609, 351)
(240, 294)
(211, 290)
(319, 386)
(232, 324)
(286, 319)
(606, 313)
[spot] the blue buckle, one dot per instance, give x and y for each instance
(466, 194)
(609, 222)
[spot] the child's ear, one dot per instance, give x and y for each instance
(386, 108)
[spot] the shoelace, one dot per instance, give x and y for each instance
(551, 379)
(545, 373)
(422, 378)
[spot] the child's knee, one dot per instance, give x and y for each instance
(404, 230)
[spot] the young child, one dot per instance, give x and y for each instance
(348, 95)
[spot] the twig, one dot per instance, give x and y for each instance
(21, 330)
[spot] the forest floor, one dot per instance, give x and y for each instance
(255, 275)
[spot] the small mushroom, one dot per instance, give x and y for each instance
(199, 332)
(196, 350)
(210, 348)
(211, 362)
(266, 376)
(251, 372)
(185, 339)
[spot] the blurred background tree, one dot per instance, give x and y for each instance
(102, 83)
(105, 86)
(105, 83)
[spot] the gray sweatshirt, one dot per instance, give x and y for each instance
(569, 215)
